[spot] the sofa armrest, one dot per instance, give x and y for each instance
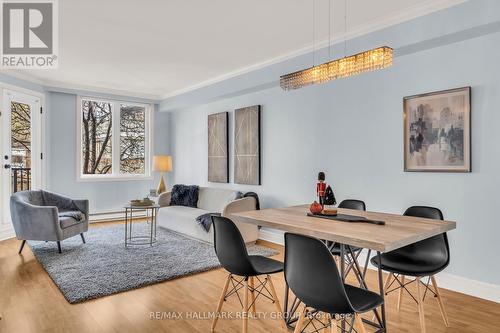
(249, 232)
(164, 199)
(239, 205)
(35, 222)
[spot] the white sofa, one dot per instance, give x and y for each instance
(210, 200)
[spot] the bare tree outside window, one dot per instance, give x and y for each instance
(132, 139)
(96, 137)
(20, 125)
(114, 137)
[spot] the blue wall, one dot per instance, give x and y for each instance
(352, 129)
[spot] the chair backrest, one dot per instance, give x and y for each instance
(312, 275)
(230, 247)
(353, 204)
(436, 246)
(33, 197)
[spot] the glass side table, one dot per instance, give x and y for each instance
(151, 213)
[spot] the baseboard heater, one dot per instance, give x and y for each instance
(114, 216)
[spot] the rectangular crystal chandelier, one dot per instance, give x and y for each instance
(371, 60)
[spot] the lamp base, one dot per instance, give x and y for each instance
(161, 186)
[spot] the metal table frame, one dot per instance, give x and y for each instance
(151, 219)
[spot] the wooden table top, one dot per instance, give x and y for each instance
(397, 232)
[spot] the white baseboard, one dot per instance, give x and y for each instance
(484, 290)
(6, 232)
(273, 236)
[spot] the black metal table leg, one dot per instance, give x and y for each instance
(342, 275)
(367, 261)
(382, 293)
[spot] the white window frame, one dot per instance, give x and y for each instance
(115, 144)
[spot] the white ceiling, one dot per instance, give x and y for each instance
(159, 48)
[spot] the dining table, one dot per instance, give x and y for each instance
(375, 231)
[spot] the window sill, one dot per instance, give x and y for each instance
(98, 179)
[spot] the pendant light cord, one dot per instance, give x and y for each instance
(314, 30)
(329, 29)
(345, 28)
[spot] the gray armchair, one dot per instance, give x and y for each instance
(46, 216)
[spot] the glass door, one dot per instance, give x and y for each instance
(21, 143)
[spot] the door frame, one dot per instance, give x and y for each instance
(6, 228)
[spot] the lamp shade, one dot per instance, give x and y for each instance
(162, 163)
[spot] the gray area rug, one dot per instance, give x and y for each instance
(104, 266)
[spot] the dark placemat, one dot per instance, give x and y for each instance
(347, 218)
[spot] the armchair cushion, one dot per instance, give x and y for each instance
(74, 214)
(70, 218)
(66, 221)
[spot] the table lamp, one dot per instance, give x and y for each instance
(162, 163)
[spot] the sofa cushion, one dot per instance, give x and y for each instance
(184, 195)
(215, 199)
(184, 213)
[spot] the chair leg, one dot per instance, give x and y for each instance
(388, 281)
(245, 307)
(358, 323)
(277, 304)
(221, 301)
(252, 294)
(440, 302)
(59, 246)
(83, 238)
(401, 290)
(421, 312)
(326, 321)
(333, 324)
(22, 246)
(300, 321)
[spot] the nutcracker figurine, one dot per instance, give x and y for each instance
(321, 188)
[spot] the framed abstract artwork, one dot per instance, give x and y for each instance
(247, 145)
(437, 131)
(218, 138)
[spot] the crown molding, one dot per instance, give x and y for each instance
(57, 86)
(380, 23)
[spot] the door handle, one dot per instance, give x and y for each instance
(6, 166)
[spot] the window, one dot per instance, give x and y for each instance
(113, 139)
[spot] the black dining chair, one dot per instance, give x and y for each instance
(233, 256)
(423, 259)
(313, 276)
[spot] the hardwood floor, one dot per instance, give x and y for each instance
(31, 302)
